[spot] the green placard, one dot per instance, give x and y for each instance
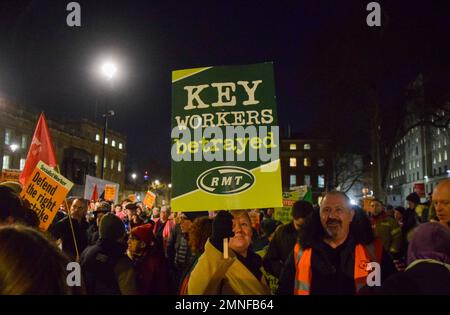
(225, 143)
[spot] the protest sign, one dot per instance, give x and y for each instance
(225, 140)
(283, 214)
(110, 192)
(101, 184)
(45, 190)
(149, 199)
(9, 175)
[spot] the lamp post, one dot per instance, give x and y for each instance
(109, 70)
(110, 113)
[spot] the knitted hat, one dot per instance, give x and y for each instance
(111, 227)
(144, 233)
(191, 216)
(413, 197)
(430, 241)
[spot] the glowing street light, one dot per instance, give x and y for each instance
(170, 185)
(14, 147)
(134, 176)
(109, 70)
(156, 182)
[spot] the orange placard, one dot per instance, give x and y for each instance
(149, 199)
(132, 197)
(10, 175)
(45, 190)
(110, 192)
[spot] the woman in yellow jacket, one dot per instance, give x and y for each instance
(241, 272)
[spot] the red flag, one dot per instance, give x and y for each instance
(41, 149)
(94, 196)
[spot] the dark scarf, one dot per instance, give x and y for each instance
(252, 262)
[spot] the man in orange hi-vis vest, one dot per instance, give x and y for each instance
(336, 252)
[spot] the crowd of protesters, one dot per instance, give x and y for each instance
(129, 249)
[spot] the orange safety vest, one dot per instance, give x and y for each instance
(363, 255)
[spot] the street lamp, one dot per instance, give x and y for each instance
(14, 147)
(134, 176)
(170, 185)
(157, 182)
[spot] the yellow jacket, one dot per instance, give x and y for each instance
(214, 275)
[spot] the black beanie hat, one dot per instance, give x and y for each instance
(413, 197)
(111, 227)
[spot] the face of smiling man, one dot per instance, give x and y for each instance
(336, 216)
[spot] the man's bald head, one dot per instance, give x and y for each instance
(441, 201)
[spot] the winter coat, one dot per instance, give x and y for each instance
(218, 276)
(280, 247)
(107, 270)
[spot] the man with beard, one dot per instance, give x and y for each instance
(332, 254)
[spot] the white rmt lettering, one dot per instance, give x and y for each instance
(374, 17)
(74, 17)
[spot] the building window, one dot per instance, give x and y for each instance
(417, 150)
(439, 144)
(6, 160)
(434, 171)
(445, 168)
(418, 163)
(119, 166)
(7, 136)
(306, 162)
(306, 146)
(113, 143)
(307, 180)
(439, 157)
(292, 146)
(445, 141)
(112, 164)
(440, 170)
(106, 140)
(409, 177)
(320, 162)
(445, 155)
(22, 163)
(417, 140)
(292, 180)
(418, 176)
(438, 131)
(96, 159)
(409, 165)
(105, 162)
(414, 177)
(120, 146)
(293, 162)
(434, 160)
(24, 142)
(97, 137)
(321, 181)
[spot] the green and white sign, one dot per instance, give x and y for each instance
(225, 139)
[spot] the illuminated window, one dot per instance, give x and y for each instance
(306, 146)
(293, 146)
(440, 157)
(113, 143)
(293, 162)
(321, 181)
(105, 162)
(112, 164)
(292, 180)
(24, 142)
(119, 166)
(97, 137)
(106, 140)
(306, 162)
(120, 146)
(22, 163)
(445, 155)
(96, 159)
(6, 161)
(7, 136)
(307, 180)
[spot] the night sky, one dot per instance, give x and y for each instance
(323, 53)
